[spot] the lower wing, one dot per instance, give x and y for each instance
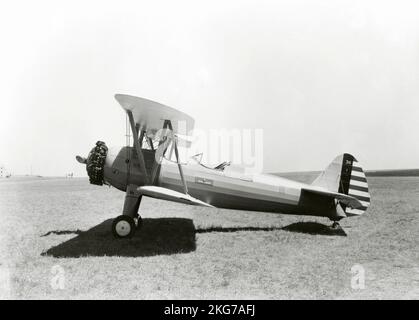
(349, 201)
(171, 195)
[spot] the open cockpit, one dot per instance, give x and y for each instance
(219, 167)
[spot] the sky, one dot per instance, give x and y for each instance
(318, 77)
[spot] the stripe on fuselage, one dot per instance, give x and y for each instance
(256, 192)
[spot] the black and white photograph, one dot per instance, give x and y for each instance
(210, 151)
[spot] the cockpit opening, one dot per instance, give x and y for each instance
(220, 167)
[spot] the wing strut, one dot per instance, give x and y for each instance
(137, 146)
(156, 169)
(185, 187)
(157, 165)
(182, 177)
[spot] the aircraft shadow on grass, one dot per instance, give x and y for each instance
(161, 236)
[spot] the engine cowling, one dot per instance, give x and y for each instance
(117, 167)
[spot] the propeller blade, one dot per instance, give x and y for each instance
(81, 159)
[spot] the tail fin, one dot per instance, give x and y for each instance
(345, 175)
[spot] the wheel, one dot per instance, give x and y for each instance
(123, 227)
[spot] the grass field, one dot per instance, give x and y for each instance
(60, 229)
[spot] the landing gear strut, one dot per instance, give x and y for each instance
(125, 225)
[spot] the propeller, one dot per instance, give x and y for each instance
(95, 163)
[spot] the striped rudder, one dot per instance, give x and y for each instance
(356, 185)
(345, 175)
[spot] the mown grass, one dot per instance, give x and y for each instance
(186, 252)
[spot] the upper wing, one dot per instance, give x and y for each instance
(171, 195)
(150, 115)
(345, 199)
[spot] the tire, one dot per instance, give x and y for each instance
(123, 227)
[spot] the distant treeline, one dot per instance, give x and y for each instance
(309, 176)
(393, 173)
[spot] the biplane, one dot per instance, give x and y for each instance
(147, 168)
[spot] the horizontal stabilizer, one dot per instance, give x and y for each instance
(170, 195)
(349, 201)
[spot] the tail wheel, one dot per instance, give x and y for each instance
(335, 225)
(123, 227)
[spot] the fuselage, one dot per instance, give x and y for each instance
(228, 188)
(232, 189)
